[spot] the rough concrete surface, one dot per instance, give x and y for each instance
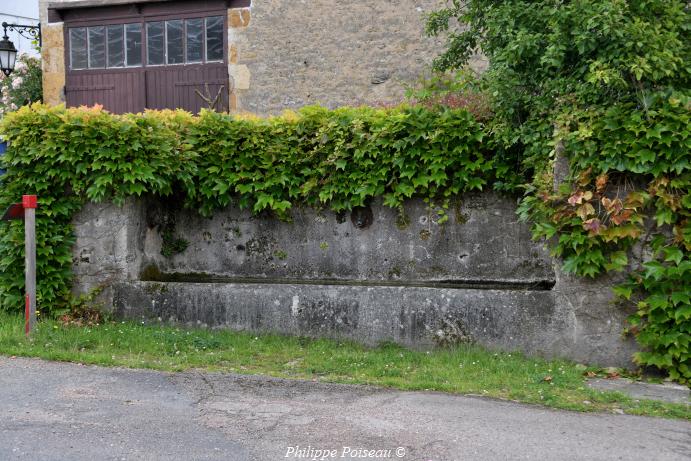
(370, 275)
(413, 316)
(666, 392)
(56, 411)
(482, 241)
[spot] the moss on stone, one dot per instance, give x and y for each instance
(402, 220)
(461, 218)
(151, 273)
(395, 272)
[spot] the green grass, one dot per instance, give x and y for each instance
(463, 370)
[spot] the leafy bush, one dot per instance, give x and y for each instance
(339, 159)
(67, 157)
(23, 86)
(605, 84)
(456, 90)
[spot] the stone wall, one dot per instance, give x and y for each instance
(284, 54)
(330, 52)
(372, 275)
(52, 56)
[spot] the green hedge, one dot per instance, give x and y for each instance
(631, 185)
(606, 84)
(628, 208)
(338, 159)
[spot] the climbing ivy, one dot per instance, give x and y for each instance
(339, 159)
(67, 157)
(604, 85)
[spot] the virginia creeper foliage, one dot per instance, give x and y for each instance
(605, 85)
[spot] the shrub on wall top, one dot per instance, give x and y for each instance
(632, 185)
(338, 159)
(604, 86)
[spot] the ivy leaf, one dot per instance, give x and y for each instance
(547, 230)
(622, 217)
(263, 201)
(681, 297)
(585, 210)
(673, 254)
(658, 301)
(576, 198)
(683, 312)
(593, 226)
(654, 270)
(623, 291)
(475, 183)
(664, 216)
(618, 261)
(406, 190)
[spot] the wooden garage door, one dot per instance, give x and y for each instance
(156, 88)
(174, 87)
(117, 92)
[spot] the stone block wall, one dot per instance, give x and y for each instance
(371, 275)
(52, 56)
(289, 53)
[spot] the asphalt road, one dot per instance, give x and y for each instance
(57, 411)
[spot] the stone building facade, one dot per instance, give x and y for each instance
(284, 54)
(477, 279)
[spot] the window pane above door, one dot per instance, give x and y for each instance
(155, 43)
(133, 39)
(116, 46)
(214, 38)
(195, 39)
(78, 48)
(97, 47)
(174, 42)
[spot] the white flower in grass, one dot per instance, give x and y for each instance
(16, 82)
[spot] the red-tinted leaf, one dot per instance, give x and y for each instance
(576, 199)
(592, 225)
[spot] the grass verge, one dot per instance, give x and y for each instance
(463, 370)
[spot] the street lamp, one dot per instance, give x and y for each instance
(8, 53)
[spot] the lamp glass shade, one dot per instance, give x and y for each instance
(8, 56)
